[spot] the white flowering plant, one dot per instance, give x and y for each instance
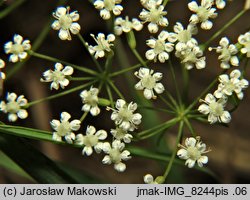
(131, 89)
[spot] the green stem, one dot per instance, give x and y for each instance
(204, 92)
(115, 89)
(110, 95)
(87, 48)
(205, 45)
(175, 81)
(59, 94)
(169, 167)
(10, 8)
(165, 3)
(174, 106)
(156, 109)
(125, 70)
(84, 116)
(139, 58)
(185, 77)
(52, 59)
(109, 61)
(81, 78)
(190, 127)
(157, 129)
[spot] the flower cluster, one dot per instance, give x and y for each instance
(193, 152)
(186, 47)
(66, 22)
(58, 77)
(148, 82)
(160, 49)
(154, 14)
(124, 116)
(90, 101)
(18, 49)
(107, 7)
(15, 106)
(202, 13)
(64, 129)
(103, 45)
(215, 109)
(228, 53)
(124, 25)
(91, 140)
(232, 83)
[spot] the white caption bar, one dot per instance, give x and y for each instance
(124, 191)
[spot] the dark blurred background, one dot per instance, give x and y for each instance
(230, 159)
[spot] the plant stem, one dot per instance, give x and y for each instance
(84, 116)
(87, 48)
(158, 128)
(115, 89)
(169, 167)
(59, 94)
(185, 77)
(190, 127)
(204, 92)
(172, 106)
(110, 95)
(10, 8)
(81, 78)
(52, 59)
(125, 70)
(175, 81)
(157, 109)
(165, 3)
(139, 58)
(205, 45)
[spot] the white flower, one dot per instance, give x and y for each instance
(203, 13)
(220, 4)
(193, 152)
(17, 49)
(103, 45)
(154, 14)
(149, 179)
(91, 140)
(116, 155)
(244, 40)
(148, 82)
(228, 53)
(124, 116)
(64, 128)
(231, 84)
(120, 134)
(2, 65)
(66, 22)
(124, 25)
(159, 48)
(90, 100)
(191, 55)
(108, 6)
(58, 76)
(14, 106)
(215, 109)
(182, 35)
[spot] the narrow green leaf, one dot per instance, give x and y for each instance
(8, 164)
(36, 164)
